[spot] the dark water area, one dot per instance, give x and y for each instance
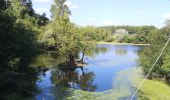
(98, 76)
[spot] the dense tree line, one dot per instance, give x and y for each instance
(136, 34)
(18, 45)
(126, 34)
(157, 40)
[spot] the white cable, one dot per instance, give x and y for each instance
(150, 70)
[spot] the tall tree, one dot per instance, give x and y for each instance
(60, 10)
(61, 33)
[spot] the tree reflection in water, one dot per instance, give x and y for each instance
(67, 78)
(71, 78)
(100, 49)
(121, 50)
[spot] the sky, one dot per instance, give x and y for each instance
(112, 12)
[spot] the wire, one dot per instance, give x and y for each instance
(166, 44)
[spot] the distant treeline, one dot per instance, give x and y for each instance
(132, 34)
(126, 34)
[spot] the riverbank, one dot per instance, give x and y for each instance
(116, 43)
(150, 89)
(154, 90)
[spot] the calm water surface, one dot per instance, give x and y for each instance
(99, 75)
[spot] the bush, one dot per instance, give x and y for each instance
(109, 39)
(130, 39)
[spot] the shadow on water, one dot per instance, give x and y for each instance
(49, 59)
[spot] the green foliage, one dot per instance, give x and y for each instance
(18, 45)
(157, 39)
(60, 33)
(154, 90)
(64, 36)
(121, 35)
(91, 33)
(4, 4)
(131, 39)
(137, 34)
(110, 39)
(60, 10)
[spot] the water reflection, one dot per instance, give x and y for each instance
(72, 78)
(121, 50)
(100, 73)
(59, 84)
(49, 60)
(100, 49)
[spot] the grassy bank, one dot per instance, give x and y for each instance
(154, 90)
(116, 43)
(151, 89)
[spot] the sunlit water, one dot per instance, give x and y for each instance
(100, 75)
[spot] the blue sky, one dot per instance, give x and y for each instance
(113, 12)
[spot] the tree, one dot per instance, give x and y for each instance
(18, 44)
(86, 49)
(4, 4)
(42, 20)
(157, 39)
(167, 23)
(121, 34)
(60, 10)
(61, 33)
(22, 8)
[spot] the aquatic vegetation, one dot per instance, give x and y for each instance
(121, 89)
(151, 89)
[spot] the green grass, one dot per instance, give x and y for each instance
(150, 89)
(154, 90)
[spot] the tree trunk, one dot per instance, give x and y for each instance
(82, 59)
(82, 71)
(71, 58)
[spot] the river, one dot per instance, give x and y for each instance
(106, 76)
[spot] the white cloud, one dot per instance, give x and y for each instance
(166, 16)
(142, 11)
(41, 10)
(41, 1)
(71, 5)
